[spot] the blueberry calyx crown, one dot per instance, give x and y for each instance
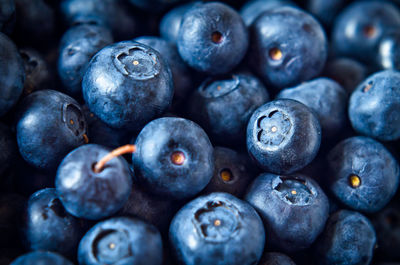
(137, 62)
(294, 190)
(106, 248)
(214, 88)
(272, 129)
(217, 221)
(73, 118)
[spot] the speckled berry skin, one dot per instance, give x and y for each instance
(42, 258)
(360, 26)
(377, 170)
(283, 136)
(215, 228)
(349, 238)
(374, 107)
(299, 38)
(223, 106)
(127, 84)
(77, 47)
(196, 43)
(157, 143)
(49, 124)
(47, 226)
(121, 240)
(89, 195)
(326, 98)
(12, 74)
(294, 209)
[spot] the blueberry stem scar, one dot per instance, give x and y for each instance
(126, 149)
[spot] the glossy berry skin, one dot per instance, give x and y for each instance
(121, 240)
(42, 258)
(232, 173)
(275, 258)
(90, 195)
(102, 134)
(283, 136)
(171, 22)
(252, 9)
(12, 74)
(347, 72)
(174, 158)
(180, 73)
(212, 38)
(127, 84)
(360, 26)
(37, 71)
(287, 46)
(77, 47)
(47, 226)
(9, 151)
(348, 238)
(217, 227)
(363, 174)
(389, 51)
(374, 107)
(326, 98)
(49, 125)
(294, 209)
(223, 106)
(7, 16)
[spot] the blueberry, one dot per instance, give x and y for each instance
(232, 172)
(374, 108)
(327, 98)
(102, 134)
(283, 136)
(363, 174)
(42, 258)
(212, 38)
(8, 149)
(12, 74)
(287, 46)
(49, 124)
(276, 258)
(346, 71)
(223, 106)
(348, 238)
(254, 8)
(47, 226)
(87, 193)
(37, 71)
(217, 228)
(153, 209)
(174, 158)
(77, 47)
(389, 51)
(7, 16)
(180, 73)
(359, 27)
(127, 84)
(171, 22)
(121, 240)
(387, 227)
(294, 209)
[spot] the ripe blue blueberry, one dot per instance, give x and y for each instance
(127, 84)
(283, 136)
(215, 228)
(49, 125)
(254, 8)
(275, 258)
(212, 38)
(374, 108)
(174, 158)
(42, 258)
(294, 209)
(121, 240)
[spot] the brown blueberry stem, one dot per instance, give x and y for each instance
(126, 149)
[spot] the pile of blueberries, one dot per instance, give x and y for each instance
(162, 132)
